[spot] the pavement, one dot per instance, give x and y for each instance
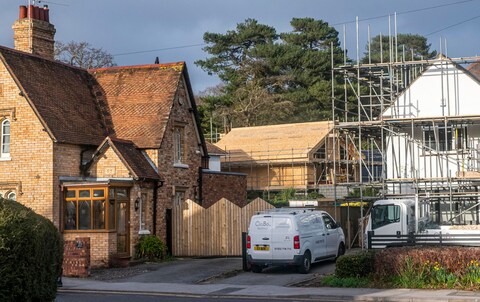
(192, 277)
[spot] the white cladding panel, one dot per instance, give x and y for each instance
(442, 90)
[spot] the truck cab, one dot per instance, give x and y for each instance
(392, 217)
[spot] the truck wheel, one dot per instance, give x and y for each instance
(256, 268)
(304, 268)
(341, 250)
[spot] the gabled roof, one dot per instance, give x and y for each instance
(474, 70)
(444, 88)
(214, 150)
(280, 143)
(137, 100)
(134, 160)
(60, 96)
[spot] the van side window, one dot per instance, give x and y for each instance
(318, 222)
(306, 221)
(329, 222)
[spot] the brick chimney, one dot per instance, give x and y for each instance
(33, 32)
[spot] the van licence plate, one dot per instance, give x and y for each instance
(261, 247)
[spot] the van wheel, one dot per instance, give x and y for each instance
(256, 268)
(304, 268)
(341, 250)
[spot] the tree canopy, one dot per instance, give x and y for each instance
(268, 77)
(409, 47)
(82, 54)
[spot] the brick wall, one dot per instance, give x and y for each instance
(217, 185)
(76, 257)
(34, 36)
(102, 245)
(177, 178)
(29, 171)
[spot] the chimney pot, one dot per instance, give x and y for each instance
(23, 12)
(46, 12)
(36, 12)
(30, 11)
(41, 14)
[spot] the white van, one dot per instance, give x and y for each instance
(296, 237)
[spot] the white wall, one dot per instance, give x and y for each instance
(442, 90)
(214, 163)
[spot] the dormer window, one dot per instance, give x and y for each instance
(5, 139)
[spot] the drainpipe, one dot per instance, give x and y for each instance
(156, 185)
(200, 185)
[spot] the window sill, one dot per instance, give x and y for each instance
(89, 231)
(180, 165)
(144, 232)
(5, 158)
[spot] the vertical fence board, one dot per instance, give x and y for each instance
(216, 231)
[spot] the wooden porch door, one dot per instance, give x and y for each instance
(123, 227)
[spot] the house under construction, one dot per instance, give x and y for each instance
(278, 157)
(415, 127)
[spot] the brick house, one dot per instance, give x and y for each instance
(102, 153)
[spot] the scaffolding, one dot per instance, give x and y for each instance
(303, 169)
(399, 152)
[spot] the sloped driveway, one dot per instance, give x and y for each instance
(208, 271)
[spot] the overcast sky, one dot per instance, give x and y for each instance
(123, 26)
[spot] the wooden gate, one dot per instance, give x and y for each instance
(216, 231)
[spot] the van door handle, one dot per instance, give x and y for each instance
(265, 238)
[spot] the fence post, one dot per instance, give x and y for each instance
(244, 252)
(411, 239)
(441, 239)
(369, 239)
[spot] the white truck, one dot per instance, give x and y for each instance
(297, 237)
(392, 220)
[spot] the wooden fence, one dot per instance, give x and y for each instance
(215, 231)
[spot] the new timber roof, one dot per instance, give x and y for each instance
(274, 143)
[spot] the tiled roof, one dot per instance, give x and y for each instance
(60, 95)
(274, 143)
(136, 101)
(212, 149)
(474, 70)
(134, 159)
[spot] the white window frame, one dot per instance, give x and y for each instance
(5, 155)
(9, 195)
(142, 230)
(179, 197)
(179, 147)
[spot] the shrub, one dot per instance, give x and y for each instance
(150, 247)
(430, 267)
(353, 282)
(31, 254)
(355, 265)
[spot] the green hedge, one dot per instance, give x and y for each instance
(31, 254)
(355, 265)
